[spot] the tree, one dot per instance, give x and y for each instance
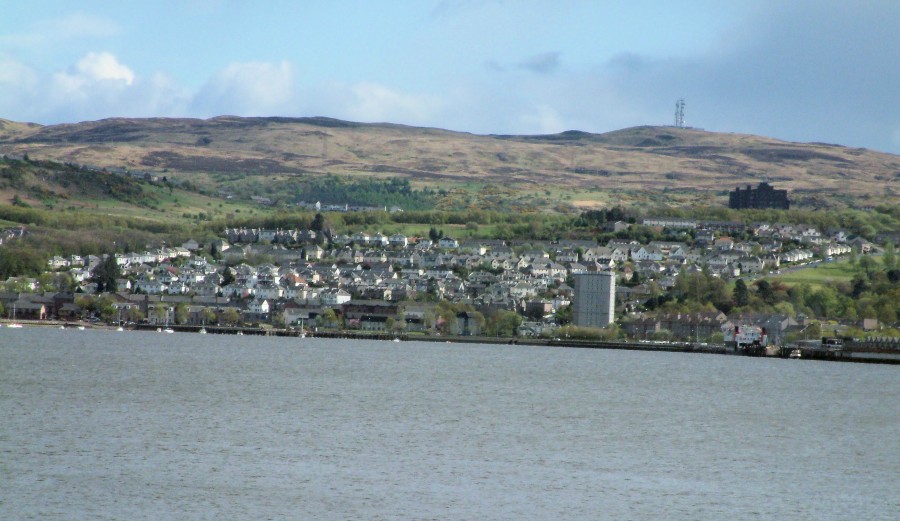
(329, 318)
(764, 291)
(134, 314)
(208, 316)
(889, 258)
(161, 314)
(227, 277)
(503, 323)
(740, 294)
(84, 303)
(867, 264)
(318, 223)
(106, 274)
(563, 315)
(104, 308)
(435, 235)
(230, 316)
(63, 282)
(181, 313)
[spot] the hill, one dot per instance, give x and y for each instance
(223, 152)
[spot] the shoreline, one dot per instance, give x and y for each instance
(662, 347)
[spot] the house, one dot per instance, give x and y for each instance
(669, 222)
(833, 250)
(257, 310)
(776, 325)
(750, 264)
(566, 255)
(466, 324)
(724, 243)
(647, 253)
(448, 243)
(360, 238)
(28, 310)
(56, 262)
(398, 241)
(370, 315)
(295, 313)
(379, 240)
(333, 297)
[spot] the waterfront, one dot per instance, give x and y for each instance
(140, 425)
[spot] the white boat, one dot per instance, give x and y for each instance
(396, 340)
(241, 333)
(796, 353)
(120, 328)
(202, 331)
(168, 330)
(15, 325)
(81, 328)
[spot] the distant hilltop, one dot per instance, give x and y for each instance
(638, 158)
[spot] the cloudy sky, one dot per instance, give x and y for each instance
(802, 70)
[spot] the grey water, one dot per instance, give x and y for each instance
(98, 425)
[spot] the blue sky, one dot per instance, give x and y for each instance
(800, 70)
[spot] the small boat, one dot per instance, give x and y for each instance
(796, 353)
(168, 330)
(396, 340)
(240, 333)
(81, 328)
(120, 328)
(202, 331)
(14, 325)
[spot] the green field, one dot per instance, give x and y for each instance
(822, 274)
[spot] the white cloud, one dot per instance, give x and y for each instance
(543, 119)
(248, 89)
(47, 33)
(96, 86)
(374, 102)
(102, 66)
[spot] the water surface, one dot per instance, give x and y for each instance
(140, 425)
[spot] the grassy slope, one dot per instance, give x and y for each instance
(822, 274)
(632, 165)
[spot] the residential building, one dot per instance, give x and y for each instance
(595, 299)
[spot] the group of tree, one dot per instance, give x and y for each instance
(873, 292)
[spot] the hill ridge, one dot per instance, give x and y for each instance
(655, 158)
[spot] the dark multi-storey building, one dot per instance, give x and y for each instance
(763, 196)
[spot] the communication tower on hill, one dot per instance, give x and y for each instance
(679, 113)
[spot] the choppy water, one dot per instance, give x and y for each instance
(104, 425)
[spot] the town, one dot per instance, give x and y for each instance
(317, 281)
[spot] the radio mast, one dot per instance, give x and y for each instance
(679, 113)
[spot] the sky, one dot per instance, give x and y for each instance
(799, 70)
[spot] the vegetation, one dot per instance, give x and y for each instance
(873, 291)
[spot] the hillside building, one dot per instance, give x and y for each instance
(595, 299)
(763, 196)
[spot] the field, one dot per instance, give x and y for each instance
(821, 274)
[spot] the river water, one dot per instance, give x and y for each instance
(101, 425)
